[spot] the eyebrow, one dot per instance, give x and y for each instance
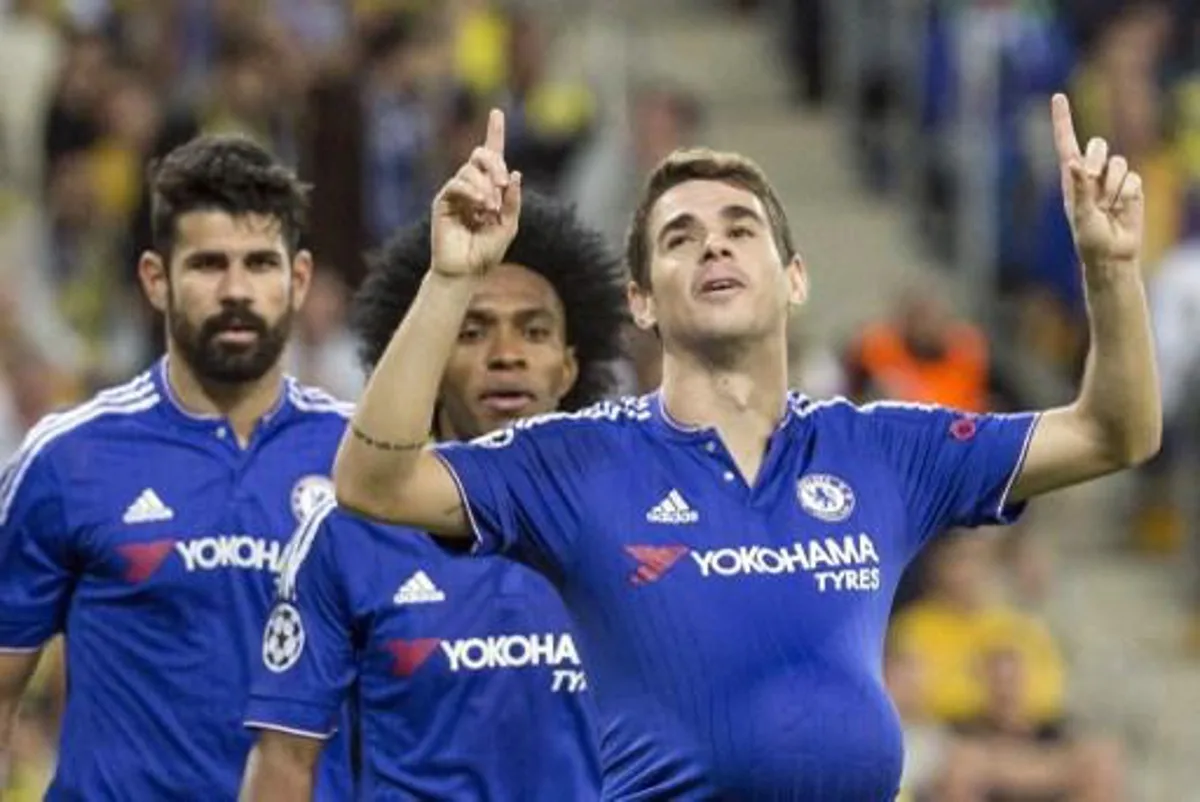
(257, 255)
(523, 314)
(730, 213)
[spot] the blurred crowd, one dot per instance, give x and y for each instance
(949, 110)
(376, 101)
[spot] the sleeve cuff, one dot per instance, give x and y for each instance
(23, 633)
(295, 718)
(1006, 511)
(482, 543)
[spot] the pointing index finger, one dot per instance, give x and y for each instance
(1065, 140)
(495, 132)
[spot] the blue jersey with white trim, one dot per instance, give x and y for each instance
(734, 633)
(465, 679)
(151, 538)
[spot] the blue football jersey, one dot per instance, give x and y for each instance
(734, 634)
(464, 678)
(151, 539)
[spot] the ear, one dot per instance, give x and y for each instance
(797, 278)
(301, 277)
(155, 278)
(641, 306)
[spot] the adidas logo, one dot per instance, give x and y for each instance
(147, 508)
(672, 510)
(419, 589)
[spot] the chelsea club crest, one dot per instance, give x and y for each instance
(825, 496)
(308, 493)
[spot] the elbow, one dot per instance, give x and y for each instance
(1138, 445)
(356, 496)
(1147, 446)
(353, 490)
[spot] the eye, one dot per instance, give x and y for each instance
(470, 334)
(264, 262)
(675, 240)
(538, 334)
(207, 263)
(741, 232)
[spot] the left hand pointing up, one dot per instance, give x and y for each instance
(1103, 197)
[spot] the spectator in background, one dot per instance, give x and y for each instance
(959, 620)
(243, 98)
(323, 352)
(979, 689)
(73, 118)
(921, 354)
(368, 143)
(549, 120)
(604, 183)
(33, 53)
(1165, 509)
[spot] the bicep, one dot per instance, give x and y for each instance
(427, 499)
(281, 767)
(1065, 449)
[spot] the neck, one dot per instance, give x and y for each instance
(745, 392)
(243, 404)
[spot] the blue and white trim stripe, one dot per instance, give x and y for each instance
(135, 396)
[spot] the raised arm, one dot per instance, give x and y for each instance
(383, 468)
(1116, 421)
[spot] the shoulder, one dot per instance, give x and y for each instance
(309, 549)
(842, 411)
(600, 421)
(59, 433)
(334, 545)
(317, 403)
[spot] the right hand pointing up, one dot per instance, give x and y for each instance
(475, 214)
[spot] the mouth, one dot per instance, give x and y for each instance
(507, 402)
(719, 287)
(237, 335)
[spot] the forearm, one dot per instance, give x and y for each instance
(394, 414)
(8, 716)
(279, 773)
(1120, 391)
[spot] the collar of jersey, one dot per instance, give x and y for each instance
(180, 414)
(681, 431)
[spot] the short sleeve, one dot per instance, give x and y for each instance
(525, 487)
(306, 665)
(955, 469)
(36, 553)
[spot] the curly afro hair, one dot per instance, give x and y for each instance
(551, 241)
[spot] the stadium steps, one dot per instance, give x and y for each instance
(1119, 616)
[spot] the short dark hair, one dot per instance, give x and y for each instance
(550, 241)
(228, 173)
(702, 164)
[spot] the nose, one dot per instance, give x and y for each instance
(716, 246)
(235, 284)
(507, 350)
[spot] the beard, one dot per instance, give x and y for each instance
(224, 362)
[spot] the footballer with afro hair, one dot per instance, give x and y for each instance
(542, 331)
